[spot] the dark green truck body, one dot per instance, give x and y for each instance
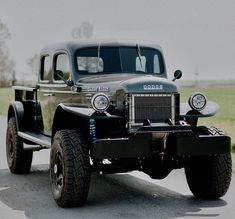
(143, 127)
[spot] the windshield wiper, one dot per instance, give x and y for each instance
(139, 54)
(98, 57)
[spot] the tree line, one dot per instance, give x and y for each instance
(7, 66)
(7, 74)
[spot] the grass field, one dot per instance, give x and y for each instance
(233, 158)
(6, 96)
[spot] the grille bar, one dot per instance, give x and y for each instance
(155, 107)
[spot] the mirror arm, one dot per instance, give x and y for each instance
(69, 83)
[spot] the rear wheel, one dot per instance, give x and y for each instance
(19, 160)
(209, 177)
(69, 168)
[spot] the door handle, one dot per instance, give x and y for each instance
(48, 95)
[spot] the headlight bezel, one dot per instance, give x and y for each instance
(96, 104)
(197, 101)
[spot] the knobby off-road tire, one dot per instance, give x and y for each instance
(19, 161)
(209, 177)
(69, 168)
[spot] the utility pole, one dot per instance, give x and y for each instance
(196, 76)
(13, 82)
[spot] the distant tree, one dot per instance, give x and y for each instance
(84, 31)
(33, 63)
(6, 65)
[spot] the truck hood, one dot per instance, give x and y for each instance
(129, 83)
(108, 78)
(148, 84)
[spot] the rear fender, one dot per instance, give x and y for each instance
(16, 109)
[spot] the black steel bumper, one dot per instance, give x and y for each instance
(181, 141)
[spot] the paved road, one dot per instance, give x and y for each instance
(111, 196)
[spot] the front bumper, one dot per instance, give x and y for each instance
(181, 141)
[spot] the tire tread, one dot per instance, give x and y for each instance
(77, 168)
(22, 159)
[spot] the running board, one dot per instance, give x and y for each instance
(38, 138)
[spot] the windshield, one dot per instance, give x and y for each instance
(101, 59)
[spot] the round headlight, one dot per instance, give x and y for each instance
(100, 102)
(197, 101)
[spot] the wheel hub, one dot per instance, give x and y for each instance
(55, 169)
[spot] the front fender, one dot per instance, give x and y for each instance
(76, 117)
(187, 112)
(86, 112)
(77, 110)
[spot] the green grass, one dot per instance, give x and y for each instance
(233, 158)
(6, 96)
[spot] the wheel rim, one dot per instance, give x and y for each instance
(57, 173)
(10, 149)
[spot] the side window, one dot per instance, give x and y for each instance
(45, 68)
(62, 64)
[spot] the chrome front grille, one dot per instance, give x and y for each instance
(155, 107)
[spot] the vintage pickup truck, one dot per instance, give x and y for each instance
(109, 107)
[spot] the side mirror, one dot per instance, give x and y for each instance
(177, 75)
(60, 75)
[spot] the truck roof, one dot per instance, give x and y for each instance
(74, 45)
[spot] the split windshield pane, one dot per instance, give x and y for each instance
(95, 60)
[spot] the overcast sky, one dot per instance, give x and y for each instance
(196, 36)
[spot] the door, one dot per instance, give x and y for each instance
(44, 92)
(60, 91)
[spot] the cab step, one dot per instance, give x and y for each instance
(41, 141)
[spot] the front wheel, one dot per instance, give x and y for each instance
(69, 168)
(209, 177)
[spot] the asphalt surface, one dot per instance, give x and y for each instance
(111, 196)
